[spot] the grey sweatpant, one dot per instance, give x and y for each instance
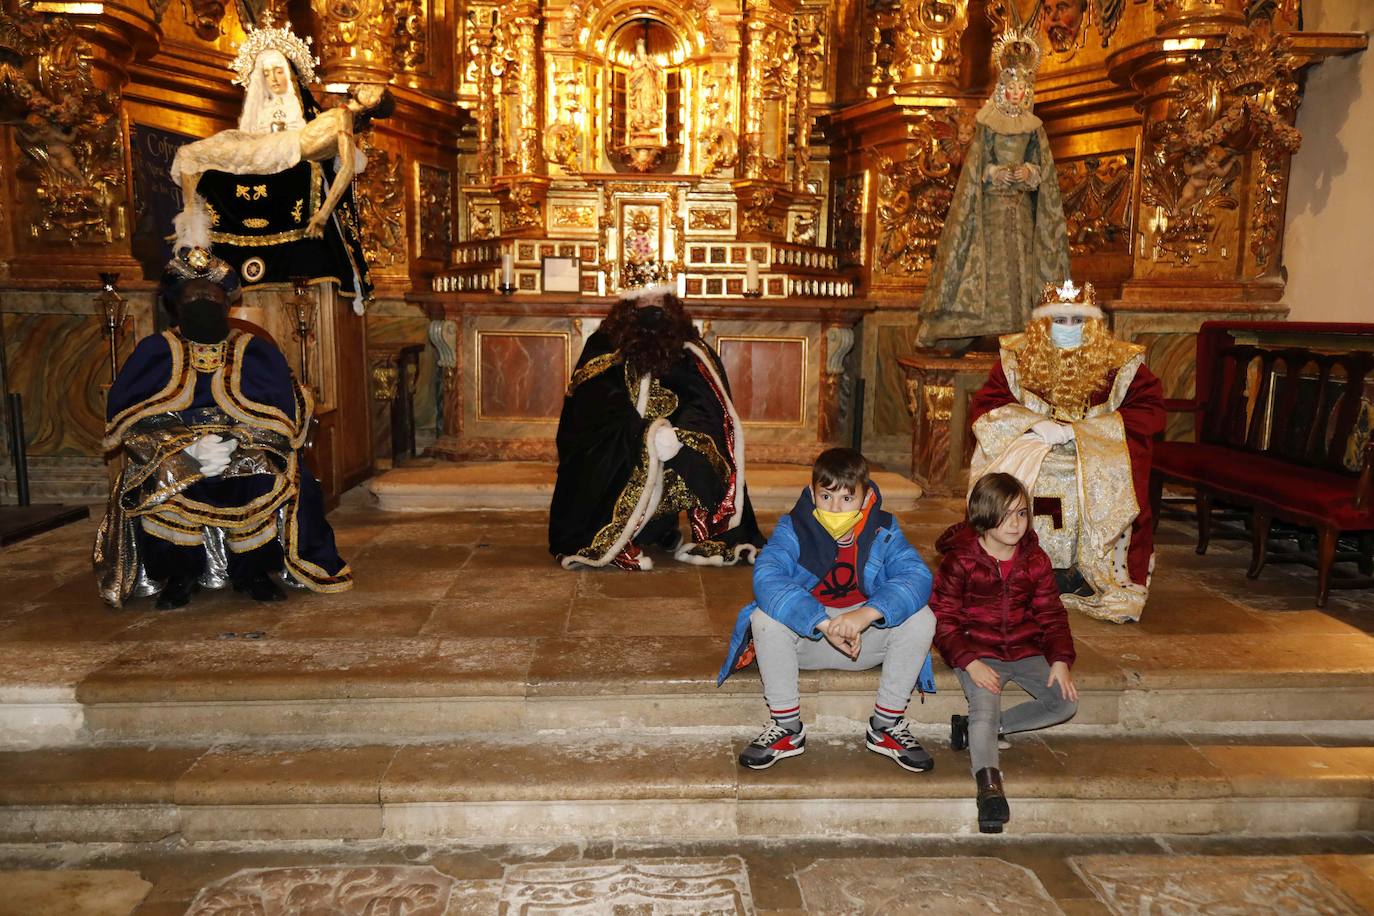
(901, 650)
(985, 717)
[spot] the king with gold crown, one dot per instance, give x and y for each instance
(1071, 411)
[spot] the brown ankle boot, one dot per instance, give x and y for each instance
(993, 810)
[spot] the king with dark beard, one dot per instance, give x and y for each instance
(648, 431)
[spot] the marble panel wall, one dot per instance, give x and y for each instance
(521, 375)
(767, 378)
(58, 360)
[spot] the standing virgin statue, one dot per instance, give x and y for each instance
(644, 98)
(1004, 237)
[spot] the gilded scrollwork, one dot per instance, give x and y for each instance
(755, 215)
(67, 127)
(563, 139)
(356, 33)
(718, 142)
(1237, 99)
(1096, 194)
(411, 39)
(381, 204)
(522, 208)
(914, 194)
(435, 217)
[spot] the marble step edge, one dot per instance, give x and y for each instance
(54, 720)
(487, 791)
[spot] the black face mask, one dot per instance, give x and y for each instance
(204, 321)
(652, 317)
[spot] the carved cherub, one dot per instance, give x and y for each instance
(1216, 165)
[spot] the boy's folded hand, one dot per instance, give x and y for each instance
(834, 634)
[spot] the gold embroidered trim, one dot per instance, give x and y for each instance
(276, 238)
(207, 357)
(592, 368)
(704, 444)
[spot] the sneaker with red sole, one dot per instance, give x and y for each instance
(773, 745)
(896, 742)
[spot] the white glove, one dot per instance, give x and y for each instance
(1053, 433)
(213, 453)
(666, 443)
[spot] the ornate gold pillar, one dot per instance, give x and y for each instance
(481, 21)
(357, 40)
(927, 57)
(806, 26)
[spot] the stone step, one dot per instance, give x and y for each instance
(191, 692)
(444, 487)
(499, 789)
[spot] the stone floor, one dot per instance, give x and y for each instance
(236, 731)
(1124, 877)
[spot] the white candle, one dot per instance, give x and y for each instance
(682, 286)
(751, 276)
(507, 270)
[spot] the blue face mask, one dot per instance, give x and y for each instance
(1067, 336)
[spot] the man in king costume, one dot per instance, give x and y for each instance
(648, 431)
(212, 491)
(1071, 412)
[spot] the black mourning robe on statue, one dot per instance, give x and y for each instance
(612, 481)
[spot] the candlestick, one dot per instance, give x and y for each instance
(116, 311)
(507, 274)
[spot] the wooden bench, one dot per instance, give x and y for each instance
(1282, 419)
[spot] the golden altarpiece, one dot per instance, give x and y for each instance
(787, 164)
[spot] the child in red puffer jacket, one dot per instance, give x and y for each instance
(998, 618)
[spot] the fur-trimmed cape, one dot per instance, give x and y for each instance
(613, 478)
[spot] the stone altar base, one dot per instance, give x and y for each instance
(472, 707)
(498, 485)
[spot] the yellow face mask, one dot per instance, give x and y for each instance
(837, 524)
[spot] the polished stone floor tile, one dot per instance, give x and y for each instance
(854, 887)
(644, 887)
(1178, 884)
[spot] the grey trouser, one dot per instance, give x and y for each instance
(901, 650)
(985, 717)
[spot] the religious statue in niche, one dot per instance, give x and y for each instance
(274, 198)
(644, 100)
(1004, 237)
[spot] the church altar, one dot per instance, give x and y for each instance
(788, 164)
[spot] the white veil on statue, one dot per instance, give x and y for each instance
(261, 108)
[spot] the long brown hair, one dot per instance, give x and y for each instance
(644, 347)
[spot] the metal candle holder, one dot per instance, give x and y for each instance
(116, 310)
(304, 306)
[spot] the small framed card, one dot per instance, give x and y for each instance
(562, 275)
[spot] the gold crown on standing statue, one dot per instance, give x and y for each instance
(269, 38)
(1017, 49)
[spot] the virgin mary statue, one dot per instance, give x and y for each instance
(1004, 237)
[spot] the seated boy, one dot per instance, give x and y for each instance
(837, 587)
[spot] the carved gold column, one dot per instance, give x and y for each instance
(1198, 17)
(926, 57)
(357, 40)
(481, 20)
(807, 26)
(529, 155)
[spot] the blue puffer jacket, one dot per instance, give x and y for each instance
(895, 579)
